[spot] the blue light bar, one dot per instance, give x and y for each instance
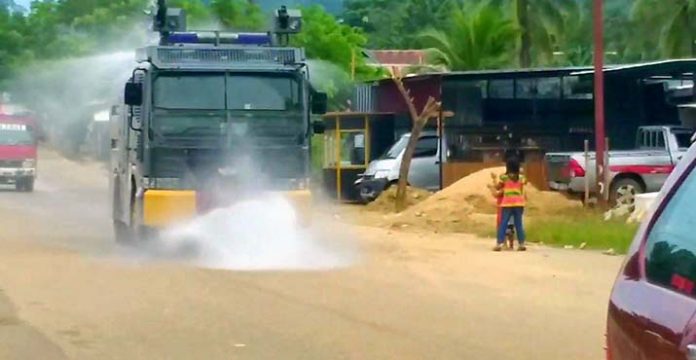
(223, 38)
(183, 38)
(254, 39)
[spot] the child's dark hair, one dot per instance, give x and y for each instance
(512, 167)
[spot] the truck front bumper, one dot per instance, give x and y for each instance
(370, 188)
(574, 185)
(12, 175)
(165, 208)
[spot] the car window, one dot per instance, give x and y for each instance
(642, 139)
(426, 146)
(683, 139)
(671, 245)
(660, 140)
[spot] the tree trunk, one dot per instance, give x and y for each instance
(525, 37)
(418, 121)
(406, 164)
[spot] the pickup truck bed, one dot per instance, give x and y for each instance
(630, 171)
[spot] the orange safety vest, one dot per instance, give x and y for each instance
(513, 191)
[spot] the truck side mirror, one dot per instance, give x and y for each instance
(133, 94)
(318, 127)
(319, 103)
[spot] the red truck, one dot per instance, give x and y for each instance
(18, 151)
(652, 308)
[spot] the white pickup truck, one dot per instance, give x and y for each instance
(645, 169)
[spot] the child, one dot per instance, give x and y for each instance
(512, 203)
(498, 195)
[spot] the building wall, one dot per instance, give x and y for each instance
(390, 100)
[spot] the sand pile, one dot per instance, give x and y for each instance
(386, 202)
(468, 206)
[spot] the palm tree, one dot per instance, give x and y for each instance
(540, 23)
(478, 37)
(678, 33)
(420, 14)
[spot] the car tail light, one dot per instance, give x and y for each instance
(575, 169)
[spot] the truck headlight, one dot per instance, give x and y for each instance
(381, 174)
(29, 163)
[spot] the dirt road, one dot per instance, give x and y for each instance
(66, 292)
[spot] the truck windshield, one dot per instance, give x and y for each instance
(219, 91)
(194, 91)
(396, 149)
(15, 134)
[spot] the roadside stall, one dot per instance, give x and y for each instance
(351, 141)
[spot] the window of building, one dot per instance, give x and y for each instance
(573, 88)
(525, 88)
(501, 89)
(548, 88)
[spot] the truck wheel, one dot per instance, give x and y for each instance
(624, 191)
(122, 233)
(25, 185)
(367, 194)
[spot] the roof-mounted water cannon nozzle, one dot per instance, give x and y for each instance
(288, 21)
(168, 20)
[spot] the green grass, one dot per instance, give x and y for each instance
(583, 227)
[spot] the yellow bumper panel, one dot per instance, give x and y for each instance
(162, 208)
(301, 200)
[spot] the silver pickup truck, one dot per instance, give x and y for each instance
(645, 169)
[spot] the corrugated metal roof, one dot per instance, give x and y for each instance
(655, 67)
(666, 67)
(497, 74)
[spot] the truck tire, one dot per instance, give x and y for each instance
(25, 185)
(623, 192)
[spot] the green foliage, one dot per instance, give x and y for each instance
(420, 14)
(239, 14)
(55, 29)
(465, 34)
(380, 20)
(540, 23)
(12, 53)
(673, 20)
(478, 37)
(335, 47)
(198, 14)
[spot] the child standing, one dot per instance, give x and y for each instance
(511, 184)
(498, 195)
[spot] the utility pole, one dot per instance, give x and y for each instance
(600, 146)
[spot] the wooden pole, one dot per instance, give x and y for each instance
(607, 172)
(339, 191)
(587, 177)
(599, 95)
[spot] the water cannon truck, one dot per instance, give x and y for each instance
(209, 118)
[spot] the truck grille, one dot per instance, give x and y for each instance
(170, 56)
(10, 163)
